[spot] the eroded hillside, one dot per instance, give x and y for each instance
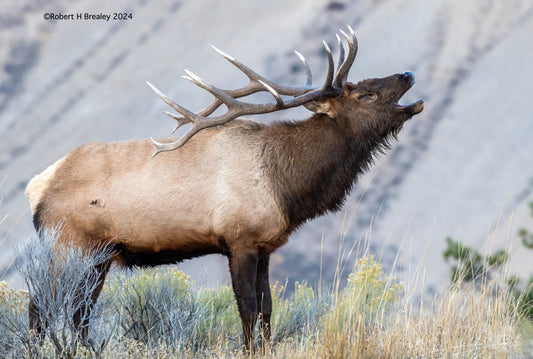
(460, 168)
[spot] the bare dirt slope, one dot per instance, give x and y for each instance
(461, 168)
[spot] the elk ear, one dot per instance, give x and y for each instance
(328, 107)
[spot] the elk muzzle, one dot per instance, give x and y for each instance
(414, 108)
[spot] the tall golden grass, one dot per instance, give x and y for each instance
(465, 322)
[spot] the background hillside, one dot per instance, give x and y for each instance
(462, 168)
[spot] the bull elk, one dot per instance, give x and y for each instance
(229, 186)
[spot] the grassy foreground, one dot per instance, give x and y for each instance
(160, 313)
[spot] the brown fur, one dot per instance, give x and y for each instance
(238, 189)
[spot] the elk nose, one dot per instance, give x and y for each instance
(408, 75)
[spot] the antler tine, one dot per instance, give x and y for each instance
(342, 72)
(181, 120)
(218, 93)
(245, 69)
(331, 67)
(309, 75)
(253, 76)
(163, 147)
(197, 126)
(341, 51)
(188, 115)
(203, 113)
(255, 85)
(274, 93)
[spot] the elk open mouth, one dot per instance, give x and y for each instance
(415, 107)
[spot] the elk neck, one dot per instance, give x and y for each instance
(313, 164)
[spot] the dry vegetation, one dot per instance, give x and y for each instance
(160, 313)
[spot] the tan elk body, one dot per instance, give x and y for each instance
(182, 200)
(236, 187)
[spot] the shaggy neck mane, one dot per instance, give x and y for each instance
(313, 164)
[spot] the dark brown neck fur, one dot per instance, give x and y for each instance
(313, 165)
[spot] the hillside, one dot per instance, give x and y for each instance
(459, 169)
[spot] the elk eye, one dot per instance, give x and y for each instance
(367, 97)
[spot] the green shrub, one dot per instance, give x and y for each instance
(527, 237)
(13, 317)
(160, 306)
(153, 305)
(295, 315)
(471, 265)
(217, 319)
(369, 291)
(359, 308)
(524, 293)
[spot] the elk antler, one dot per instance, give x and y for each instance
(333, 86)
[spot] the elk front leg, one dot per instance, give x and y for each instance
(264, 298)
(243, 269)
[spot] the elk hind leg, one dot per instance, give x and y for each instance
(37, 321)
(82, 315)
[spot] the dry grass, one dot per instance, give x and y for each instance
(458, 323)
(372, 316)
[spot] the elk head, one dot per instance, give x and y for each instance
(372, 105)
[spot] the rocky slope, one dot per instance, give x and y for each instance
(460, 168)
